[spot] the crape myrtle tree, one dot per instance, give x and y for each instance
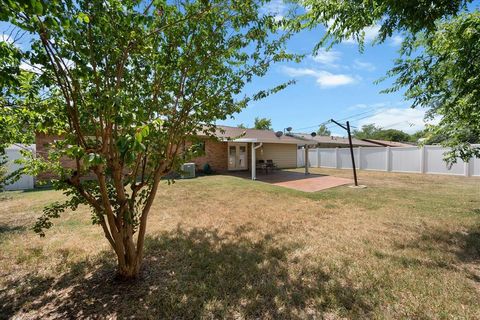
(127, 83)
(437, 66)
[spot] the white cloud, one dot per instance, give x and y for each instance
(395, 41)
(323, 78)
(408, 120)
(278, 8)
(327, 57)
(370, 34)
(361, 65)
(35, 68)
(6, 38)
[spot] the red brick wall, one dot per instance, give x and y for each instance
(43, 143)
(215, 155)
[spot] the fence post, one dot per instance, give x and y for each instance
(467, 168)
(388, 160)
(336, 158)
(318, 158)
(422, 160)
(359, 157)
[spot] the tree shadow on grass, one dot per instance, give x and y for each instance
(463, 246)
(6, 229)
(190, 274)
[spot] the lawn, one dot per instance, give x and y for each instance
(408, 246)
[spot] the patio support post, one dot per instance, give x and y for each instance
(254, 162)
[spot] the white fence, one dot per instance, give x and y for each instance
(427, 159)
(13, 153)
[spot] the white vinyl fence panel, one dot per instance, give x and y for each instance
(428, 159)
(435, 164)
(13, 153)
(475, 167)
(313, 158)
(405, 159)
(328, 158)
(372, 158)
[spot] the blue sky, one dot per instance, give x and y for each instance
(334, 84)
(337, 84)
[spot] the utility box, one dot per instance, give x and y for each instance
(188, 170)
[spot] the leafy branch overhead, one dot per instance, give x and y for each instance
(438, 58)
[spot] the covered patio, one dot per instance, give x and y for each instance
(296, 180)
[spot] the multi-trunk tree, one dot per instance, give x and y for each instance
(125, 84)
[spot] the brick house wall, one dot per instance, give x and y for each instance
(215, 155)
(43, 143)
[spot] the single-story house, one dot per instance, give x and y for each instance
(234, 149)
(237, 149)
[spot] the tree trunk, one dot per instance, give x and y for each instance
(128, 263)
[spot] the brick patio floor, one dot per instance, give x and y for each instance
(297, 180)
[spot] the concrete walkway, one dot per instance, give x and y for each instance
(298, 181)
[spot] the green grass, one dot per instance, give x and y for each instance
(408, 246)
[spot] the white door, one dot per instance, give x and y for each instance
(237, 156)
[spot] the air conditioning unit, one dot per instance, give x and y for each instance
(188, 170)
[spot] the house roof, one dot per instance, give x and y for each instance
(337, 140)
(253, 135)
(386, 143)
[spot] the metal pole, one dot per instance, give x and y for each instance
(351, 153)
(306, 159)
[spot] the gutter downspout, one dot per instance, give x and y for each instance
(254, 161)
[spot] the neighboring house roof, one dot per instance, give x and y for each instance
(335, 141)
(385, 143)
(253, 135)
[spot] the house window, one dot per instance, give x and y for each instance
(199, 147)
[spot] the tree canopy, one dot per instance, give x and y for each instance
(323, 131)
(123, 85)
(371, 131)
(349, 19)
(443, 76)
(262, 123)
(438, 59)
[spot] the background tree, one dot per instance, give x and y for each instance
(241, 125)
(323, 131)
(262, 123)
(370, 131)
(126, 83)
(442, 76)
(436, 63)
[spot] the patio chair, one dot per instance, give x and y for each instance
(271, 164)
(262, 165)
